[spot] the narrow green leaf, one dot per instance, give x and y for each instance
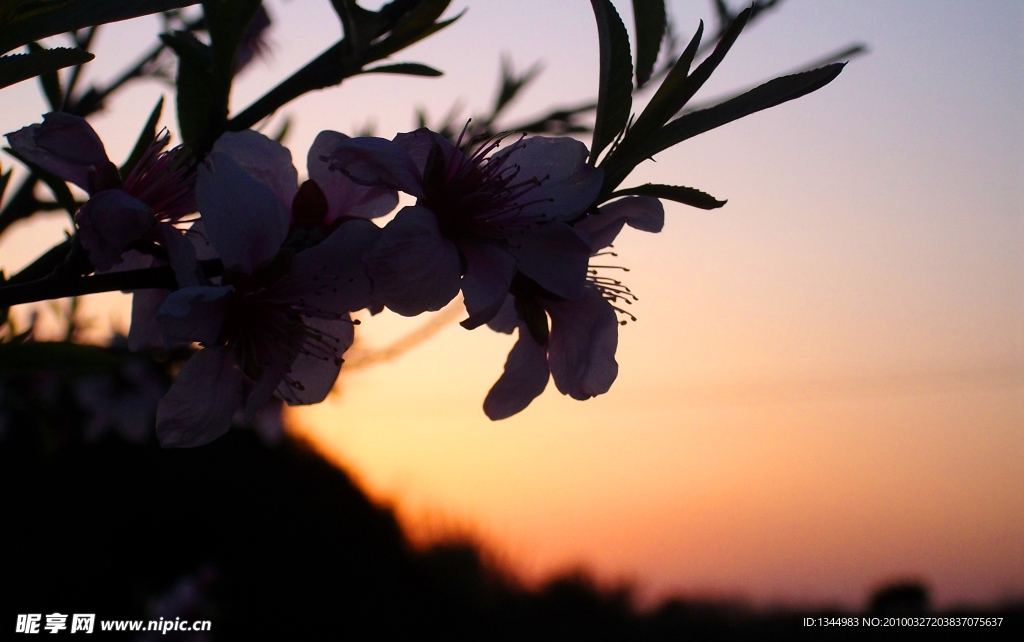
(669, 101)
(282, 132)
(195, 99)
(146, 138)
(49, 81)
(83, 40)
(345, 10)
(649, 18)
(670, 97)
(412, 28)
(361, 25)
(44, 266)
(772, 93)
(18, 67)
(227, 22)
(678, 193)
(394, 10)
(615, 92)
(704, 70)
(35, 21)
(189, 48)
(407, 68)
(424, 14)
(842, 55)
(431, 30)
(5, 178)
(511, 84)
(7, 10)
(5, 311)
(678, 88)
(722, 11)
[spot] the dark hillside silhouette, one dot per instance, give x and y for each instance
(275, 543)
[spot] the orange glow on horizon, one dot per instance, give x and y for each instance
(824, 390)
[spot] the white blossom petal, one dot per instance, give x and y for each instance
(524, 378)
(109, 222)
(344, 197)
(330, 278)
(200, 240)
(181, 254)
(568, 185)
(644, 213)
(420, 143)
(376, 162)
(582, 343)
(507, 319)
(314, 372)
(261, 393)
(144, 333)
(555, 257)
(199, 406)
(243, 218)
(413, 268)
(489, 272)
(194, 314)
(266, 160)
(64, 145)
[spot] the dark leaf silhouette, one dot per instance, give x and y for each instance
(406, 68)
(678, 193)
(36, 21)
(649, 17)
(18, 67)
(614, 96)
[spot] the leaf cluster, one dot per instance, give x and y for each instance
(23, 22)
(630, 139)
(369, 37)
(207, 66)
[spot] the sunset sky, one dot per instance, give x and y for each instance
(824, 390)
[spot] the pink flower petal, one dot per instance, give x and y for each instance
(376, 162)
(64, 145)
(568, 184)
(489, 272)
(314, 373)
(109, 222)
(261, 393)
(243, 218)
(345, 198)
(181, 254)
(199, 406)
(524, 379)
(194, 314)
(135, 260)
(507, 319)
(643, 213)
(200, 240)
(555, 257)
(330, 277)
(581, 347)
(144, 333)
(420, 143)
(413, 268)
(266, 160)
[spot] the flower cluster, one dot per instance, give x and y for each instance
(269, 270)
